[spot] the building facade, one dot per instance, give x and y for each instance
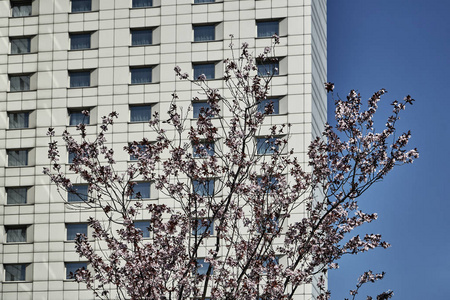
(60, 57)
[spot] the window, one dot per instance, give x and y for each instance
(266, 145)
(204, 1)
(18, 120)
(203, 149)
(20, 45)
(15, 272)
(208, 70)
(80, 79)
(202, 226)
(19, 83)
(267, 28)
(77, 117)
(17, 158)
(270, 261)
(72, 267)
(140, 149)
(141, 75)
(268, 68)
(140, 37)
(74, 228)
(16, 234)
(80, 41)
(204, 33)
(17, 195)
(202, 267)
(21, 8)
(204, 188)
(269, 183)
(275, 103)
(81, 5)
(142, 3)
(78, 193)
(199, 108)
(142, 190)
(143, 226)
(141, 113)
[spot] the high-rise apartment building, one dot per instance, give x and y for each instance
(60, 57)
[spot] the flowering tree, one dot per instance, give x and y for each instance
(246, 219)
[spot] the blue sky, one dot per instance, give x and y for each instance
(404, 47)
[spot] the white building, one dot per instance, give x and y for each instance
(59, 57)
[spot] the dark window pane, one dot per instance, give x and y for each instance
(16, 195)
(78, 193)
(204, 1)
(143, 226)
(143, 188)
(21, 8)
(141, 149)
(142, 113)
(268, 68)
(73, 229)
(15, 272)
(201, 147)
(80, 41)
(77, 117)
(197, 108)
(267, 28)
(141, 37)
(204, 188)
(18, 120)
(266, 146)
(16, 234)
(202, 226)
(20, 46)
(202, 267)
(142, 3)
(275, 103)
(141, 75)
(81, 5)
(17, 158)
(204, 33)
(19, 83)
(80, 79)
(72, 267)
(207, 69)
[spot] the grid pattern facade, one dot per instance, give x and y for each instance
(60, 57)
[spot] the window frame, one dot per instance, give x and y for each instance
(144, 6)
(195, 73)
(200, 26)
(17, 38)
(204, 1)
(23, 228)
(73, 72)
(134, 195)
(25, 3)
(78, 34)
(136, 68)
(78, 112)
(76, 195)
(267, 35)
(80, 11)
(26, 119)
(199, 228)
(143, 226)
(272, 63)
(75, 264)
(263, 103)
(136, 109)
(206, 189)
(8, 195)
(69, 237)
(23, 275)
(27, 160)
(137, 30)
(21, 77)
(267, 149)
